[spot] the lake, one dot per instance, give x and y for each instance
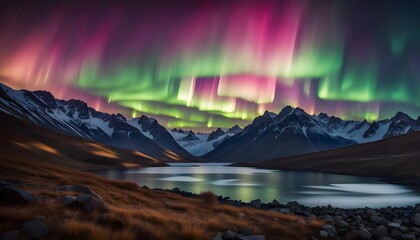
(246, 184)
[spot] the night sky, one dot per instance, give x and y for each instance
(207, 64)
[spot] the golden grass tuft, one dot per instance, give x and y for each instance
(209, 198)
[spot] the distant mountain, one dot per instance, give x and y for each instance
(293, 132)
(199, 144)
(74, 117)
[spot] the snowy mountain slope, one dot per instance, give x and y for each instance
(75, 117)
(202, 143)
(294, 132)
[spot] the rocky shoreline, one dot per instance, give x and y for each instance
(340, 223)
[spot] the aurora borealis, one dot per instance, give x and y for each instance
(206, 64)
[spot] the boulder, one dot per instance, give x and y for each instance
(341, 224)
(417, 208)
(416, 219)
(323, 234)
(395, 234)
(89, 203)
(13, 196)
(229, 235)
(363, 233)
(357, 218)
(247, 231)
(9, 235)
(394, 225)
(284, 210)
(256, 203)
(68, 200)
(377, 219)
(78, 188)
(176, 190)
(329, 229)
(380, 231)
(408, 236)
(275, 203)
(293, 204)
(218, 237)
(35, 229)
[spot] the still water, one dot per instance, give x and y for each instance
(246, 184)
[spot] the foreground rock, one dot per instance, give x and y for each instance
(11, 195)
(35, 229)
(356, 223)
(78, 188)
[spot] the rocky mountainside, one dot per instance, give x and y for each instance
(74, 117)
(293, 132)
(199, 144)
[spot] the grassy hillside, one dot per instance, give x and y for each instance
(396, 159)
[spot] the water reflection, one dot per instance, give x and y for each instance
(308, 188)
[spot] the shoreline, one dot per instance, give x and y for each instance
(401, 180)
(340, 223)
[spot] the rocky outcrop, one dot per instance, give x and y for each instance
(11, 195)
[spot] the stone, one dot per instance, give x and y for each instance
(417, 208)
(229, 235)
(363, 233)
(284, 210)
(394, 225)
(329, 229)
(408, 236)
(252, 237)
(377, 219)
(275, 203)
(416, 219)
(247, 231)
(341, 224)
(175, 189)
(13, 196)
(241, 215)
(9, 235)
(403, 229)
(395, 234)
(89, 203)
(256, 203)
(79, 188)
(380, 231)
(357, 218)
(68, 200)
(218, 237)
(323, 234)
(35, 229)
(293, 204)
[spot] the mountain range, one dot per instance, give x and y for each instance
(76, 118)
(269, 136)
(293, 132)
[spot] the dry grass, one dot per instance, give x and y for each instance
(135, 212)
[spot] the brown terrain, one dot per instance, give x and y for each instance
(396, 159)
(38, 161)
